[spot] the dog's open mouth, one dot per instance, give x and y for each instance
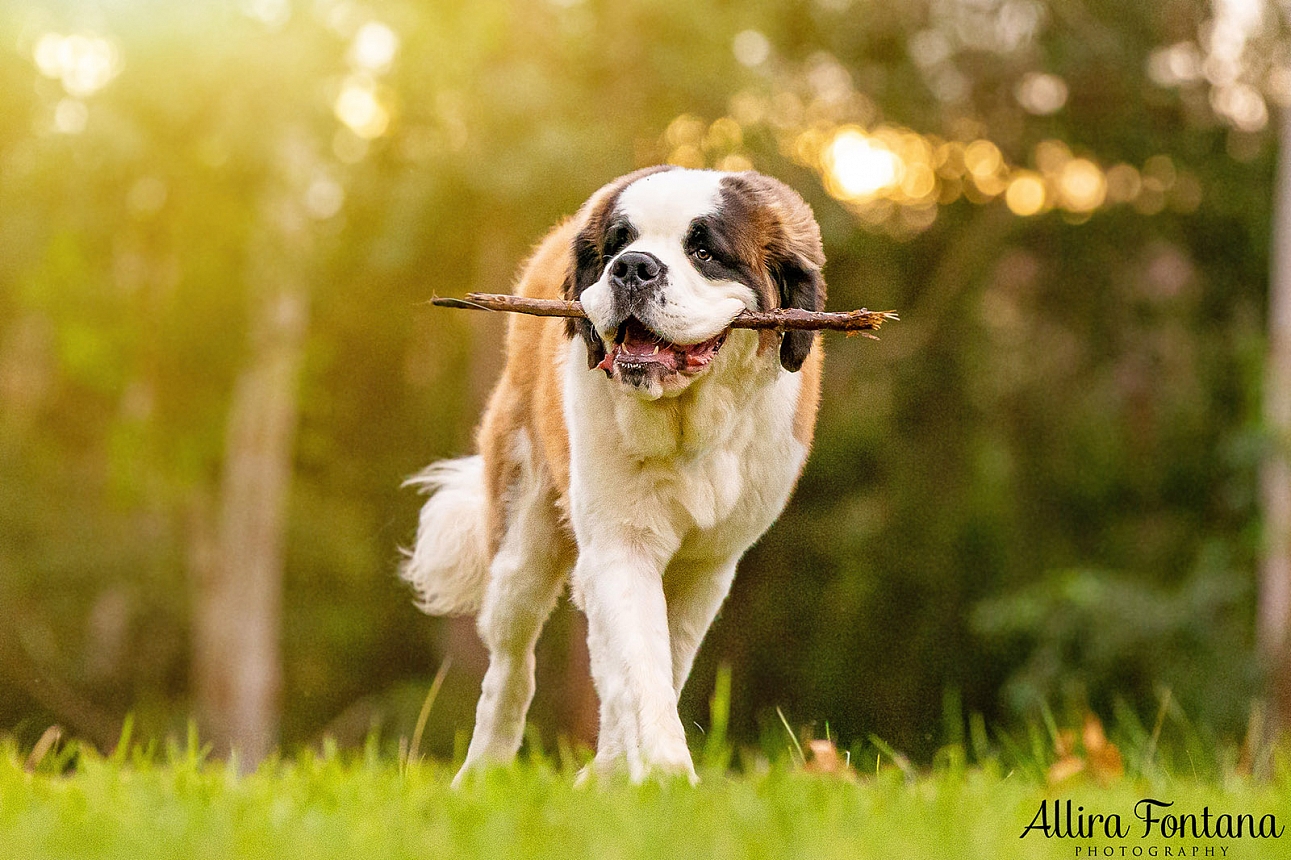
(637, 349)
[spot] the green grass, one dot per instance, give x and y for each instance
(78, 804)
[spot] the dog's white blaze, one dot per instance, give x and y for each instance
(664, 204)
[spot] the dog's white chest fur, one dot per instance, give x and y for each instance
(710, 469)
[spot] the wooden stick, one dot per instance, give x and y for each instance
(852, 322)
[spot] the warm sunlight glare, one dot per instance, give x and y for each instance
(860, 166)
(359, 108)
(375, 46)
(84, 62)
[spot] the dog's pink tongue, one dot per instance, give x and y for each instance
(699, 354)
(607, 363)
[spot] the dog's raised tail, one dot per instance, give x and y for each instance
(449, 562)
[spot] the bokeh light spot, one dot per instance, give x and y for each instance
(84, 62)
(1162, 169)
(687, 155)
(1242, 105)
(860, 166)
(982, 158)
(1082, 185)
(685, 130)
(1041, 94)
(1174, 65)
(272, 13)
(359, 108)
(1051, 156)
(1026, 193)
(146, 197)
(323, 198)
(70, 116)
(918, 181)
(735, 163)
(751, 48)
(375, 46)
(724, 134)
(1123, 183)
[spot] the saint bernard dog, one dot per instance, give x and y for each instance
(636, 454)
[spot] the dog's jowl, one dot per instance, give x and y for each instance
(636, 454)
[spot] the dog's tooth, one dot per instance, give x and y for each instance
(656, 349)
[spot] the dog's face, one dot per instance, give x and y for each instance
(667, 258)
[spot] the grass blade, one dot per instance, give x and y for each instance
(414, 748)
(716, 753)
(801, 756)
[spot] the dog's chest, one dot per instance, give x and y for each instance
(721, 462)
(706, 473)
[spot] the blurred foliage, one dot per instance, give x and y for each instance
(1073, 391)
(1093, 631)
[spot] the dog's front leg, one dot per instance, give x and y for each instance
(627, 620)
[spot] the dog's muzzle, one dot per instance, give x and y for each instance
(636, 279)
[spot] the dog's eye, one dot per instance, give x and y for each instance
(617, 238)
(703, 254)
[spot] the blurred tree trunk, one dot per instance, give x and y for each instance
(238, 596)
(1275, 472)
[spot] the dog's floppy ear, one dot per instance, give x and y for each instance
(585, 270)
(587, 262)
(794, 258)
(800, 285)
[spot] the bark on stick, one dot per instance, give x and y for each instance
(851, 322)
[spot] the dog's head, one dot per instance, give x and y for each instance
(666, 258)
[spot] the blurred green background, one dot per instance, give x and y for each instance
(1040, 486)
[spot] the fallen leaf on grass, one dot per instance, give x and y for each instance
(1096, 755)
(46, 743)
(825, 759)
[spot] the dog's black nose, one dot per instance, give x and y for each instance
(637, 270)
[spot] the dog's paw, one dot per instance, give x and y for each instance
(667, 761)
(462, 776)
